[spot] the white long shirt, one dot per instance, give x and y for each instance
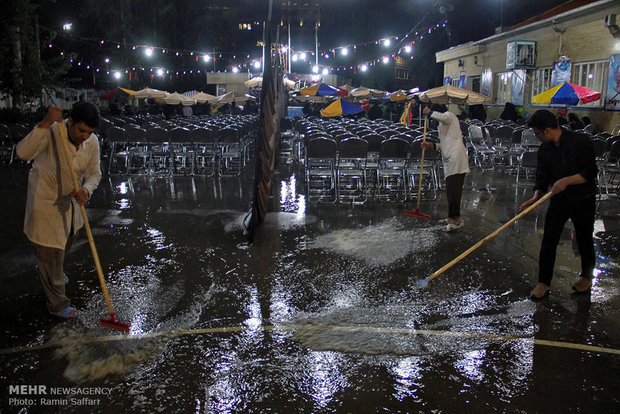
(50, 210)
(453, 152)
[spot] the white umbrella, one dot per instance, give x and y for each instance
(149, 93)
(289, 83)
(177, 98)
(233, 96)
(202, 97)
(448, 93)
(255, 81)
(361, 92)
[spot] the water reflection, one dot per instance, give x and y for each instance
(326, 378)
(408, 372)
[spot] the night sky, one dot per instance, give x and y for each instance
(209, 26)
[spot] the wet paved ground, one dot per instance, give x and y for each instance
(321, 315)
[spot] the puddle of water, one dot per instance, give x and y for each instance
(378, 245)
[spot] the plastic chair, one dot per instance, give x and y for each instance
(320, 170)
(392, 170)
(351, 170)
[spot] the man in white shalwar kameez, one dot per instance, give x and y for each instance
(53, 216)
(455, 160)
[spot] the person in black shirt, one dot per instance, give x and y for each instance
(375, 112)
(574, 122)
(566, 162)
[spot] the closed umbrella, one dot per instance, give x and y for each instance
(567, 94)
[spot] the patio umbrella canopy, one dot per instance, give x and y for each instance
(177, 98)
(202, 97)
(149, 93)
(340, 107)
(567, 94)
(361, 92)
(448, 93)
(321, 89)
(116, 93)
(396, 96)
(235, 96)
(255, 81)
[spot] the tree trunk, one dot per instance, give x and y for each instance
(17, 93)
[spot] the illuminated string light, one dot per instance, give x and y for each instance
(252, 62)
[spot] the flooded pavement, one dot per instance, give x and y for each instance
(322, 314)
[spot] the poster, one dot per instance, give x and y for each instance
(612, 99)
(560, 72)
(446, 80)
(463, 81)
(486, 82)
(518, 86)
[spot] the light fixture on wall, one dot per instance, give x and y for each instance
(461, 63)
(558, 27)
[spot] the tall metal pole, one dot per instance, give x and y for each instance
(316, 44)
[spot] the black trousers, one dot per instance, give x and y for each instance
(454, 192)
(581, 214)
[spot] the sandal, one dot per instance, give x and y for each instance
(67, 313)
(443, 221)
(451, 227)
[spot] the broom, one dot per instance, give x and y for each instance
(111, 323)
(424, 282)
(417, 213)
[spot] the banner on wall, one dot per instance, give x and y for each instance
(463, 81)
(612, 100)
(518, 86)
(486, 82)
(446, 80)
(560, 72)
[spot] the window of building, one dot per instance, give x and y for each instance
(592, 75)
(402, 73)
(541, 80)
(454, 82)
(475, 83)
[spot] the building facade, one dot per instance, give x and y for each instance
(578, 41)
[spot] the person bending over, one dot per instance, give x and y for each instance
(566, 163)
(53, 216)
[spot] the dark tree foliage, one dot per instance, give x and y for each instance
(26, 71)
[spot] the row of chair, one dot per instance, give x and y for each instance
(207, 149)
(349, 170)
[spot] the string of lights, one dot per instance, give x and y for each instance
(108, 66)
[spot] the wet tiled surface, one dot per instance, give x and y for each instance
(321, 314)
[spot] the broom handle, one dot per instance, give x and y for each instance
(64, 138)
(422, 164)
(490, 236)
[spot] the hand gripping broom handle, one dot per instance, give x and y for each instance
(422, 164)
(490, 236)
(64, 138)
